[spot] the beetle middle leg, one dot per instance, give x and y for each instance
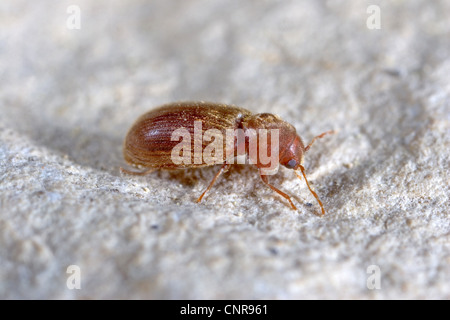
(281, 193)
(223, 169)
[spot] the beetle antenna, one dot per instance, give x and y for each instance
(318, 137)
(307, 183)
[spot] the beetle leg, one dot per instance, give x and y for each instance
(302, 169)
(223, 169)
(137, 173)
(281, 193)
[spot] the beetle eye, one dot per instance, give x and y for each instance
(291, 164)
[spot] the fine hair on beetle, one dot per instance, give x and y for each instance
(197, 134)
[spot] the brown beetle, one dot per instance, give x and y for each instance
(151, 143)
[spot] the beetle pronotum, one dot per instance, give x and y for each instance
(149, 143)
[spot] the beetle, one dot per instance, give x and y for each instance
(150, 143)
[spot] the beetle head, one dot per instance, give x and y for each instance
(292, 157)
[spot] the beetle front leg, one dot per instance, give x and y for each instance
(281, 193)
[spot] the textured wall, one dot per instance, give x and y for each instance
(67, 98)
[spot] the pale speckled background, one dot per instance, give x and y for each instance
(67, 98)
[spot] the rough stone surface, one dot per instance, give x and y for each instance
(67, 98)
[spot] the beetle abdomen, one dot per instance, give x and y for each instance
(149, 141)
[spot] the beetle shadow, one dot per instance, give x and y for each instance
(101, 151)
(193, 176)
(342, 186)
(343, 183)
